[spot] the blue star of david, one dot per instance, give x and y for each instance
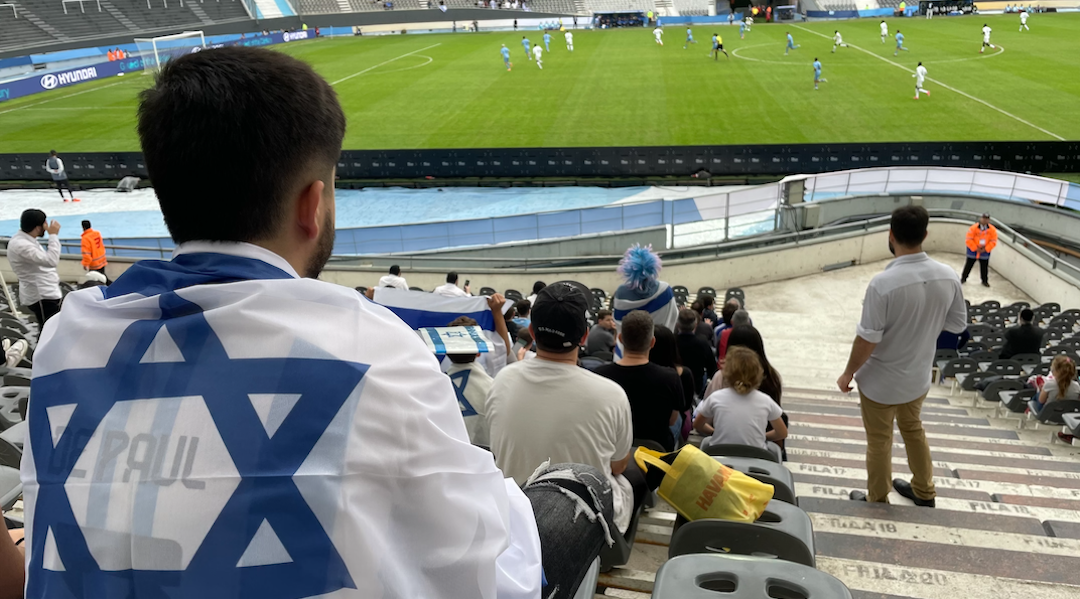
(266, 464)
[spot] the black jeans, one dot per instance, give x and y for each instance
(574, 516)
(63, 184)
(44, 310)
(984, 268)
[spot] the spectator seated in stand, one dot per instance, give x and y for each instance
(726, 312)
(1024, 338)
(704, 329)
(601, 341)
(512, 327)
(642, 288)
(550, 410)
(738, 413)
(665, 352)
(740, 319)
(695, 351)
(524, 347)
(708, 305)
(394, 279)
(450, 289)
(523, 307)
(655, 393)
(772, 385)
(471, 385)
(1060, 385)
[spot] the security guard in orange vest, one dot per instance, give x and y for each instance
(981, 240)
(93, 250)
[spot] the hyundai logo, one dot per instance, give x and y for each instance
(48, 81)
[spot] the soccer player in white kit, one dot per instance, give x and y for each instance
(884, 31)
(920, 77)
(986, 38)
(837, 41)
(930, 11)
(569, 41)
(1023, 19)
(659, 35)
(537, 51)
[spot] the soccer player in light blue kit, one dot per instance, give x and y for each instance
(817, 73)
(742, 29)
(528, 47)
(899, 43)
(547, 41)
(506, 57)
(790, 44)
(689, 38)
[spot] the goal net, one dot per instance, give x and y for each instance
(156, 51)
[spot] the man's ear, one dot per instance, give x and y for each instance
(307, 209)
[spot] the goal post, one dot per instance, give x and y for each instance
(156, 51)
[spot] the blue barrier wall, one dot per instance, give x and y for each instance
(37, 83)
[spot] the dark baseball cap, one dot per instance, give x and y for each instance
(558, 317)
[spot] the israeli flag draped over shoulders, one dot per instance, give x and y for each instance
(419, 309)
(659, 302)
(215, 426)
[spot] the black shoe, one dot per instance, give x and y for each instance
(857, 496)
(985, 284)
(903, 487)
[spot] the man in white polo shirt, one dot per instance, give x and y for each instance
(905, 309)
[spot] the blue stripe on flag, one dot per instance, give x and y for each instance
(440, 347)
(418, 319)
(654, 304)
(482, 344)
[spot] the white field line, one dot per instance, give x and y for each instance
(385, 62)
(950, 88)
(85, 91)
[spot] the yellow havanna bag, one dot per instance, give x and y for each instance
(698, 486)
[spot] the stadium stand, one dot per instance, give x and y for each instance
(692, 8)
(318, 7)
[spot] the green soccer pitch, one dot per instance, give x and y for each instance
(618, 88)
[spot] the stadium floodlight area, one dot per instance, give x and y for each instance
(156, 51)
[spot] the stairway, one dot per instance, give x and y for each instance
(119, 16)
(580, 7)
(665, 8)
(24, 13)
(199, 13)
(1007, 521)
(343, 6)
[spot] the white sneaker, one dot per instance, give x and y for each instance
(15, 352)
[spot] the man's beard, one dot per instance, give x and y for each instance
(323, 250)
(892, 250)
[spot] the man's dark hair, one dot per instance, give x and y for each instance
(230, 134)
(462, 321)
(909, 225)
(537, 286)
(523, 308)
(637, 331)
(728, 311)
(1027, 315)
(687, 320)
(52, 152)
(707, 301)
(31, 219)
(85, 225)
(602, 314)
(451, 277)
(395, 270)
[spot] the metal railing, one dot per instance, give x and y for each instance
(12, 7)
(82, 8)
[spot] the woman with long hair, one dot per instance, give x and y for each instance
(665, 352)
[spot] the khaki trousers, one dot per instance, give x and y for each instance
(878, 422)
